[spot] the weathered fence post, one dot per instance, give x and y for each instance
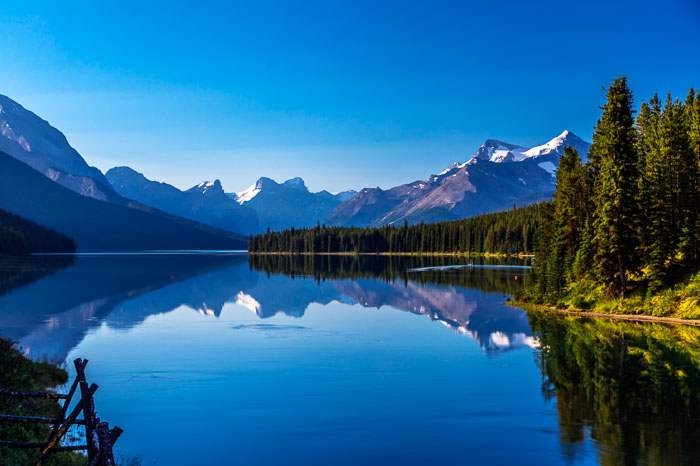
(100, 438)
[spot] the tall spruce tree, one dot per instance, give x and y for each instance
(614, 158)
(692, 112)
(676, 149)
(656, 228)
(572, 204)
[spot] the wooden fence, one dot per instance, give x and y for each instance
(99, 437)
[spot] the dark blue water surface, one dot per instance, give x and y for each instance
(229, 359)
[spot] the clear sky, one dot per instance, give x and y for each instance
(344, 94)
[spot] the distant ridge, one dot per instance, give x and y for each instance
(289, 204)
(498, 176)
(206, 202)
(101, 226)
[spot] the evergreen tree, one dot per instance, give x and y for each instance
(614, 158)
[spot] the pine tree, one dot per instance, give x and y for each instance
(572, 206)
(656, 229)
(614, 158)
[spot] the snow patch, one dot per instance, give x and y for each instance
(248, 302)
(548, 167)
(248, 194)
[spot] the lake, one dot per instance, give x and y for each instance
(222, 358)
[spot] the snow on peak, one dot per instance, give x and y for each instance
(500, 152)
(206, 186)
(557, 145)
(250, 193)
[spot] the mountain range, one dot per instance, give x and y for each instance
(98, 225)
(498, 176)
(46, 180)
(289, 204)
(206, 202)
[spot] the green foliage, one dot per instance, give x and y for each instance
(508, 232)
(626, 224)
(19, 373)
(19, 236)
(613, 156)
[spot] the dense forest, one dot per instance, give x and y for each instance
(19, 236)
(509, 232)
(626, 221)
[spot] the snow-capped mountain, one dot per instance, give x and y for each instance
(289, 204)
(498, 151)
(206, 202)
(32, 140)
(498, 176)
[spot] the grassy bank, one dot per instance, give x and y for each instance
(681, 301)
(19, 373)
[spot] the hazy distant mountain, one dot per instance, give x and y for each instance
(498, 176)
(102, 226)
(206, 202)
(283, 205)
(28, 138)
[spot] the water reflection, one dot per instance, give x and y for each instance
(632, 387)
(612, 392)
(122, 291)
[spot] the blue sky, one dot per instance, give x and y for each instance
(343, 94)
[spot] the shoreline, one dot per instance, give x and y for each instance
(629, 317)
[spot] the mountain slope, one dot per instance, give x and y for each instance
(206, 202)
(19, 236)
(101, 226)
(498, 176)
(288, 204)
(32, 140)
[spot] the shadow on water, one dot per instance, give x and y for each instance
(16, 272)
(632, 387)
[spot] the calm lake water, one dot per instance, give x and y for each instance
(229, 359)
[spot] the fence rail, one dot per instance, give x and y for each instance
(100, 438)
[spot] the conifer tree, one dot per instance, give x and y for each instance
(614, 158)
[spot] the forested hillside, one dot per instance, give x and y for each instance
(628, 221)
(19, 236)
(509, 232)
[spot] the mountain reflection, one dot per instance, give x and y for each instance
(632, 387)
(50, 315)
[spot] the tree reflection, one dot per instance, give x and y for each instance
(396, 268)
(632, 387)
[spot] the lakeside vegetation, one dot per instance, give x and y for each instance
(19, 236)
(21, 374)
(508, 232)
(623, 232)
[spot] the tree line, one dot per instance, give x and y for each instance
(19, 236)
(629, 218)
(508, 232)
